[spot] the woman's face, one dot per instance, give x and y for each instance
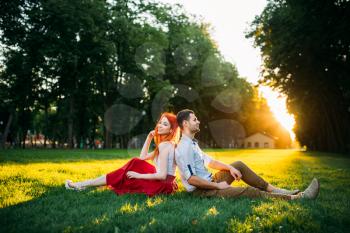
(163, 126)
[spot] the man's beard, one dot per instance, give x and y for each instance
(195, 130)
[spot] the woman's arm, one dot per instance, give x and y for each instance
(144, 155)
(162, 172)
(149, 156)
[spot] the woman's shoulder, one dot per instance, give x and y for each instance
(166, 145)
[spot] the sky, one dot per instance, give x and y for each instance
(230, 19)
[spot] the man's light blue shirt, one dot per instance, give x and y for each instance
(191, 160)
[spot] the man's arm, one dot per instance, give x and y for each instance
(212, 163)
(215, 164)
(185, 162)
(204, 184)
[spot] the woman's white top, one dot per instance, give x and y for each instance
(171, 161)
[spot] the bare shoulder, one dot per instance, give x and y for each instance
(165, 145)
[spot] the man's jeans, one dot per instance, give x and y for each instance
(257, 189)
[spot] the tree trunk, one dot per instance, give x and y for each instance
(46, 123)
(7, 130)
(108, 139)
(92, 135)
(24, 139)
(70, 123)
(334, 117)
(53, 143)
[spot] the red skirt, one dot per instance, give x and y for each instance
(121, 184)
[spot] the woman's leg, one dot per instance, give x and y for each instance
(115, 177)
(99, 181)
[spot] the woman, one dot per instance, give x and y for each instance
(139, 176)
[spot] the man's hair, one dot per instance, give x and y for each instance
(183, 115)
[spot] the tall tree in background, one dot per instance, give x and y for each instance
(306, 49)
(67, 64)
(21, 74)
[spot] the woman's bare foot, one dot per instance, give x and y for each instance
(70, 185)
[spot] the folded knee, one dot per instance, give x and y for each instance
(238, 164)
(135, 159)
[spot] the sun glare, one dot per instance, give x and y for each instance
(277, 104)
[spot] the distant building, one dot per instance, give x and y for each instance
(259, 140)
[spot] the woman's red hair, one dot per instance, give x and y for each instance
(171, 137)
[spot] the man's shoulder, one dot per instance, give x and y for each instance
(183, 143)
(181, 146)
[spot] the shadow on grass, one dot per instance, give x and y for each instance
(100, 210)
(324, 154)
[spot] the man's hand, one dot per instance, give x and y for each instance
(131, 174)
(235, 173)
(223, 185)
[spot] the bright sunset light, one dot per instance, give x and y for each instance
(228, 30)
(277, 104)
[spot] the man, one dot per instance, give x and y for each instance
(191, 161)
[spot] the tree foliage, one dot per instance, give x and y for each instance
(306, 48)
(76, 71)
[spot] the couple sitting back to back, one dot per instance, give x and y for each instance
(139, 176)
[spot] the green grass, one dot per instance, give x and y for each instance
(33, 198)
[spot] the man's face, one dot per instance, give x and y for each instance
(193, 123)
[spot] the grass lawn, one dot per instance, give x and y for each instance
(33, 198)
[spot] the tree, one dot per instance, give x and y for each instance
(305, 48)
(77, 71)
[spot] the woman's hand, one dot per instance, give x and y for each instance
(144, 155)
(135, 175)
(151, 134)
